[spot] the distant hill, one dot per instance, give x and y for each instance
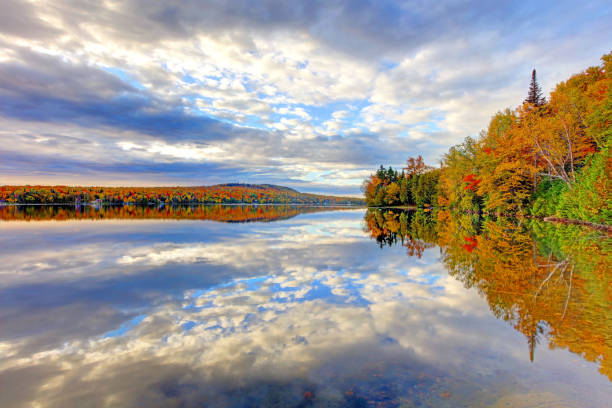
(258, 186)
(231, 193)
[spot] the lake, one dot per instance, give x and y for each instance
(274, 306)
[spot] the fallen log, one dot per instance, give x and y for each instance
(599, 227)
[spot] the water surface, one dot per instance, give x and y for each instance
(197, 306)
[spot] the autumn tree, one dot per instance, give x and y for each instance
(419, 186)
(392, 194)
(553, 152)
(414, 166)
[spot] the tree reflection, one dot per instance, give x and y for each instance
(416, 230)
(550, 282)
(221, 213)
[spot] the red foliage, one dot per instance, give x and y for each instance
(473, 182)
(470, 244)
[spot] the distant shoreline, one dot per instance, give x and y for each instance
(90, 204)
(216, 194)
(398, 207)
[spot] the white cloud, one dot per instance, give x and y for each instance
(404, 72)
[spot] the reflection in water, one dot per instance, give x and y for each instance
(414, 230)
(220, 212)
(304, 312)
(550, 282)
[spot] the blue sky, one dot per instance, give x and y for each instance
(312, 95)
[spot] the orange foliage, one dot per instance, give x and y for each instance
(505, 164)
(414, 166)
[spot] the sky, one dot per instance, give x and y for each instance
(313, 95)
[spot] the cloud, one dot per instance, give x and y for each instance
(265, 88)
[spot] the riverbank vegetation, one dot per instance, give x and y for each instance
(545, 158)
(415, 185)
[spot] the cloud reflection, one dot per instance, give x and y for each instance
(231, 315)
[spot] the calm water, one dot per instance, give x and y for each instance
(300, 307)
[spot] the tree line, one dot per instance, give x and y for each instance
(545, 158)
(415, 185)
(218, 194)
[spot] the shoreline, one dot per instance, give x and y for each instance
(88, 204)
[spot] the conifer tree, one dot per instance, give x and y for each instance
(534, 96)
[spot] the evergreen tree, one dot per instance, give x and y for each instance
(534, 96)
(404, 190)
(381, 173)
(391, 175)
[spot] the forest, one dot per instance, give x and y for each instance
(217, 194)
(416, 185)
(547, 157)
